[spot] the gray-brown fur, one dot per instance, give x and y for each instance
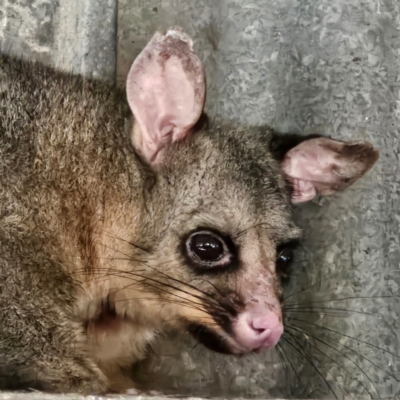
(91, 267)
(52, 164)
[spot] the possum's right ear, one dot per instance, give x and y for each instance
(166, 93)
(325, 166)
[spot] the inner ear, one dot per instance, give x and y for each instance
(166, 93)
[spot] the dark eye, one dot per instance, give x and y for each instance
(283, 262)
(208, 249)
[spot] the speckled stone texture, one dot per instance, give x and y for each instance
(327, 66)
(74, 35)
(323, 66)
(72, 396)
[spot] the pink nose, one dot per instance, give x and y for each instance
(258, 332)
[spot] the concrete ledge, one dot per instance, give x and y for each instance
(42, 396)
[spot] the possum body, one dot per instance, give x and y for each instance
(126, 214)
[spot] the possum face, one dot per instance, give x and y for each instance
(225, 239)
(218, 231)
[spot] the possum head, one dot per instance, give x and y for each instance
(218, 228)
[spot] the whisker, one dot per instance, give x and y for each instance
(123, 259)
(124, 240)
(120, 252)
(220, 339)
(309, 361)
(213, 305)
(291, 364)
(128, 257)
(350, 337)
(163, 290)
(344, 355)
(284, 366)
(182, 300)
(319, 282)
(343, 299)
(334, 361)
(358, 354)
(279, 346)
(299, 344)
(241, 233)
(161, 273)
(169, 301)
(142, 281)
(217, 290)
(194, 347)
(187, 284)
(326, 308)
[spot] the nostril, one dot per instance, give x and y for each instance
(261, 331)
(263, 323)
(257, 332)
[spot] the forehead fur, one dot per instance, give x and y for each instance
(227, 176)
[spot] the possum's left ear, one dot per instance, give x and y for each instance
(166, 93)
(325, 166)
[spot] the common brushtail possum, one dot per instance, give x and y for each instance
(124, 214)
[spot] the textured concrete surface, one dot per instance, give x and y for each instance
(302, 66)
(43, 396)
(73, 35)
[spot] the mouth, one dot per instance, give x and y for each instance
(224, 343)
(212, 340)
(253, 326)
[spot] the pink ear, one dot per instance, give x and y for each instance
(166, 92)
(324, 166)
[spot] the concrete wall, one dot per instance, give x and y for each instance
(74, 35)
(303, 66)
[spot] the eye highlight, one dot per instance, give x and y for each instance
(209, 251)
(283, 262)
(284, 259)
(206, 247)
